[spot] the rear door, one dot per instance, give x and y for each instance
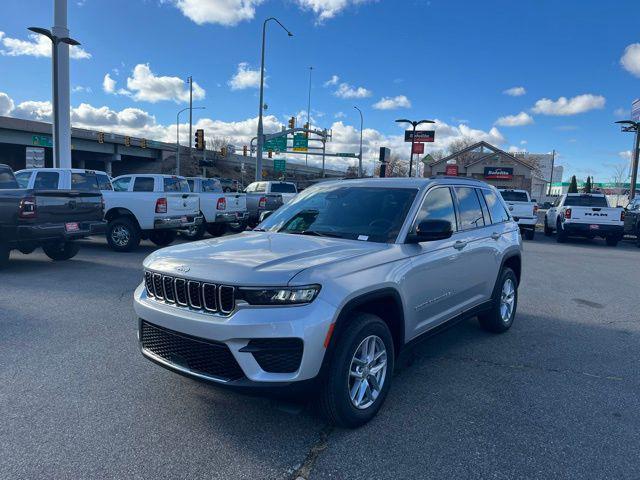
(180, 200)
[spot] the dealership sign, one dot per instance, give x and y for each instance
(418, 148)
(498, 173)
(451, 170)
(420, 136)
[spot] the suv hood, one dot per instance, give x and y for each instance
(254, 258)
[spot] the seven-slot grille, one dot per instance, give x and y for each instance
(196, 295)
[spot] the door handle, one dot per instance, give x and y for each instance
(459, 245)
(496, 235)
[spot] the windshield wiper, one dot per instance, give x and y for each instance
(317, 233)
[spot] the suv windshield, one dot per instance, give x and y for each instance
(372, 214)
(585, 201)
(175, 184)
(283, 188)
(510, 196)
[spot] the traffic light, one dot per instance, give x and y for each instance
(100, 137)
(292, 122)
(127, 141)
(200, 139)
(223, 151)
(270, 153)
(306, 126)
(244, 150)
(143, 143)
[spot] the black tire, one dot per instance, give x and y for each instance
(612, 241)
(59, 252)
(196, 232)
(561, 236)
(492, 320)
(548, 231)
(529, 234)
(335, 401)
(4, 255)
(123, 234)
(162, 238)
(216, 229)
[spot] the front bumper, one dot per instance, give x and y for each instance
(309, 323)
(231, 217)
(59, 232)
(178, 221)
(586, 229)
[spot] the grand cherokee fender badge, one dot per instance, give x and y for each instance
(183, 268)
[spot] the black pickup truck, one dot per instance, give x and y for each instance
(51, 219)
(632, 220)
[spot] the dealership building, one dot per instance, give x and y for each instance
(486, 162)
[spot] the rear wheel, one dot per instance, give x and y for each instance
(162, 238)
(548, 231)
(561, 236)
(194, 232)
(505, 302)
(4, 255)
(123, 234)
(612, 241)
(61, 251)
(216, 229)
(359, 372)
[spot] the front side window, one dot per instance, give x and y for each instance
(437, 206)
(84, 181)
(373, 214)
(23, 179)
(103, 182)
(469, 208)
(143, 184)
(121, 184)
(176, 184)
(46, 180)
(496, 208)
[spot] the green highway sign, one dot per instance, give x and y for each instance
(41, 141)
(300, 142)
(351, 155)
(279, 165)
(278, 144)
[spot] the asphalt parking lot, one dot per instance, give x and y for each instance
(555, 397)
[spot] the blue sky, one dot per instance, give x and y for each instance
(577, 63)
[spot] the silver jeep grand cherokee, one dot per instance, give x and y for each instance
(331, 287)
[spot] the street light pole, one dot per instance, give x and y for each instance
(60, 144)
(631, 126)
(306, 156)
(414, 124)
(360, 155)
(190, 108)
(260, 139)
(190, 115)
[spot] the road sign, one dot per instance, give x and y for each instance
(277, 144)
(279, 165)
(349, 155)
(635, 110)
(418, 148)
(41, 141)
(420, 136)
(35, 157)
(300, 143)
(451, 170)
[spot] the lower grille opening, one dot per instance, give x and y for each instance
(276, 355)
(206, 357)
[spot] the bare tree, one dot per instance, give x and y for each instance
(619, 177)
(395, 167)
(459, 145)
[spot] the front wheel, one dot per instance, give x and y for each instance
(162, 238)
(561, 236)
(123, 234)
(359, 372)
(61, 251)
(500, 317)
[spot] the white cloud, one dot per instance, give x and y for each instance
(81, 89)
(515, 91)
(630, 61)
(327, 9)
(6, 104)
(523, 142)
(340, 115)
(332, 81)
(245, 78)
(625, 154)
(347, 91)
(572, 106)
(221, 12)
(144, 85)
(518, 120)
(392, 103)
(33, 110)
(621, 112)
(108, 84)
(36, 46)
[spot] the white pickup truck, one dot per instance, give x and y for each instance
(523, 210)
(584, 215)
(219, 209)
(142, 206)
(287, 190)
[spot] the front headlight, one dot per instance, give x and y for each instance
(279, 296)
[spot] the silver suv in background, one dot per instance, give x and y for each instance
(331, 287)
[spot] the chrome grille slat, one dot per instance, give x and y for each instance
(180, 285)
(148, 282)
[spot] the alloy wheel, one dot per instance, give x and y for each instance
(367, 372)
(507, 300)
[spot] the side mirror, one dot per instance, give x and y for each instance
(430, 230)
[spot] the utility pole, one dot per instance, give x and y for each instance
(553, 159)
(633, 126)
(306, 157)
(190, 80)
(360, 155)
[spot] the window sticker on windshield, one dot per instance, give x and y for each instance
(363, 237)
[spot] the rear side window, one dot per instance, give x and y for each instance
(283, 188)
(84, 181)
(103, 182)
(212, 186)
(514, 196)
(470, 209)
(7, 180)
(261, 187)
(176, 185)
(143, 184)
(437, 206)
(496, 208)
(251, 187)
(23, 179)
(46, 180)
(121, 184)
(191, 185)
(585, 201)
